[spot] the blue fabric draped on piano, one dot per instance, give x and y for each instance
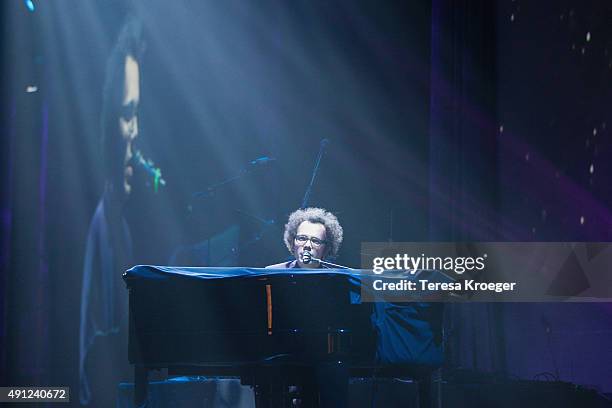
(405, 333)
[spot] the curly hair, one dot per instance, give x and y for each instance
(129, 42)
(333, 229)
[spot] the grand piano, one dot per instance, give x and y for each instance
(271, 326)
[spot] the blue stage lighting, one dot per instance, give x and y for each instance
(29, 4)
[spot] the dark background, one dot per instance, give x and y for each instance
(469, 120)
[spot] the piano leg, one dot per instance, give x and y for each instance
(262, 396)
(332, 381)
(309, 397)
(141, 381)
(428, 390)
(323, 386)
(271, 396)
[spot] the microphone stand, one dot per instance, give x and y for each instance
(328, 264)
(322, 145)
(248, 169)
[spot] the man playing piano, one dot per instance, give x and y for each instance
(312, 234)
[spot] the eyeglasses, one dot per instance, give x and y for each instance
(316, 242)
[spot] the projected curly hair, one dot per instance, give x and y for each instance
(129, 42)
(333, 229)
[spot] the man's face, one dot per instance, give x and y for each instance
(128, 118)
(310, 237)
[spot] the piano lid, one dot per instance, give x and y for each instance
(169, 272)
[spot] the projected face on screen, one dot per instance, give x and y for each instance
(311, 237)
(128, 118)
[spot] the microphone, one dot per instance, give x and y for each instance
(313, 259)
(149, 167)
(307, 257)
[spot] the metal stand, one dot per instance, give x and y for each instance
(141, 382)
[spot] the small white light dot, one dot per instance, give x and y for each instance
(512, 17)
(527, 156)
(588, 36)
(592, 169)
(581, 220)
(582, 50)
(594, 131)
(31, 88)
(501, 129)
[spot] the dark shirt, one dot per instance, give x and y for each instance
(104, 306)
